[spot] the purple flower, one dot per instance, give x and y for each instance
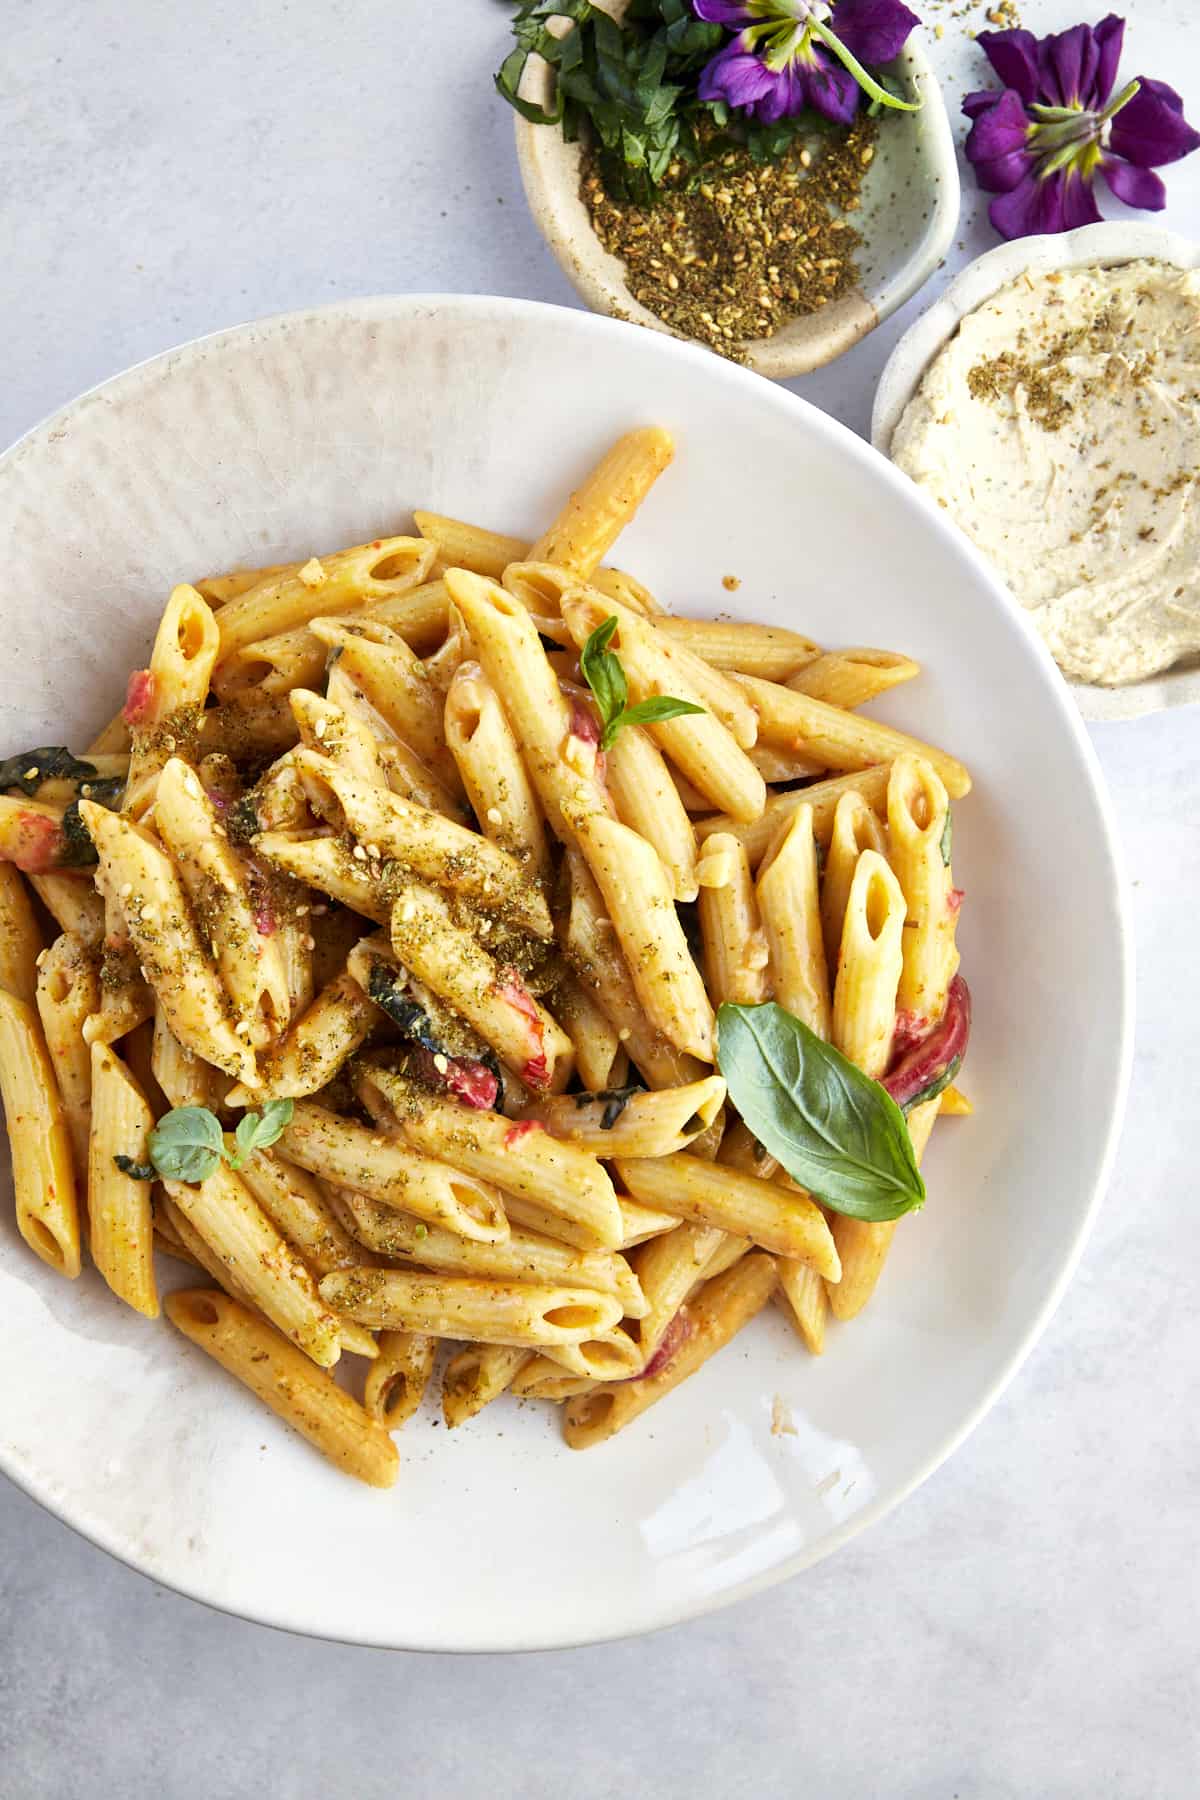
(789, 54)
(1039, 143)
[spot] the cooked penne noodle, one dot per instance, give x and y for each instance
(298, 1208)
(253, 724)
(638, 1123)
(843, 740)
(613, 1356)
(856, 827)
(477, 1375)
(668, 1268)
(764, 650)
(120, 1221)
(326, 863)
(345, 582)
(432, 847)
(464, 546)
(735, 946)
(647, 800)
(238, 924)
(822, 796)
(112, 739)
(20, 937)
(324, 1037)
(72, 903)
(639, 901)
(68, 993)
(601, 507)
(297, 658)
(540, 586)
(394, 682)
(541, 1378)
(803, 1301)
(863, 1245)
(140, 875)
(775, 765)
(848, 678)
(869, 964)
(590, 945)
(217, 589)
(717, 1314)
(505, 641)
(599, 1055)
(523, 1256)
(493, 773)
(39, 1142)
(780, 1219)
(729, 1251)
(789, 903)
(342, 1151)
(522, 1160)
(488, 1312)
(448, 958)
(919, 844)
(265, 1268)
(397, 1379)
(126, 998)
(284, 1379)
(407, 776)
(165, 701)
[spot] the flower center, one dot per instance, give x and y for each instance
(1065, 137)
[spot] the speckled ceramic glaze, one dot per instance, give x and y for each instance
(304, 432)
(909, 211)
(1113, 242)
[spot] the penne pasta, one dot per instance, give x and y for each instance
(767, 651)
(735, 946)
(68, 993)
(599, 510)
(20, 937)
(300, 1211)
(822, 796)
(352, 1155)
(919, 831)
(345, 582)
(72, 903)
(717, 1314)
(599, 1054)
(521, 1159)
(790, 907)
(647, 801)
(284, 1379)
(668, 1268)
(869, 964)
(40, 1144)
(488, 1312)
(856, 827)
(322, 1039)
(863, 1244)
(802, 1300)
(165, 701)
(493, 773)
(120, 1222)
(393, 681)
(476, 1375)
(848, 678)
(632, 1123)
(397, 1379)
(781, 1219)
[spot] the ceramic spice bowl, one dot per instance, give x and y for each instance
(910, 203)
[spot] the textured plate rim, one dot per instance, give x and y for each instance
(292, 1618)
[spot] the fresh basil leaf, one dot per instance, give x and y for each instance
(78, 850)
(136, 1171)
(658, 708)
(947, 839)
(187, 1144)
(837, 1132)
(603, 673)
(259, 1130)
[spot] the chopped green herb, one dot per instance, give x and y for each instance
(605, 676)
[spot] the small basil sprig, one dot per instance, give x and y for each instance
(604, 675)
(188, 1143)
(837, 1132)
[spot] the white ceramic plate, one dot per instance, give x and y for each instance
(321, 428)
(1112, 242)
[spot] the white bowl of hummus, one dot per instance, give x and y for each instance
(1050, 403)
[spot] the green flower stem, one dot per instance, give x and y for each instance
(866, 82)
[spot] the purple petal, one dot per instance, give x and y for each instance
(979, 101)
(1034, 207)
(833, 91)
(997, 144)
(873, 30)
(1014, 56)
(735, 76)
(1109, 35)
(722, 12)
(1150, 129)
(1136, 187)
(1079, 202)
(787, 95)
(1069, 62)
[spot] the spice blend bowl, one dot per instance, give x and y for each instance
(1105, 245)
(909, 206)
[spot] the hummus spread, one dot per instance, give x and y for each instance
(1060, 426)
